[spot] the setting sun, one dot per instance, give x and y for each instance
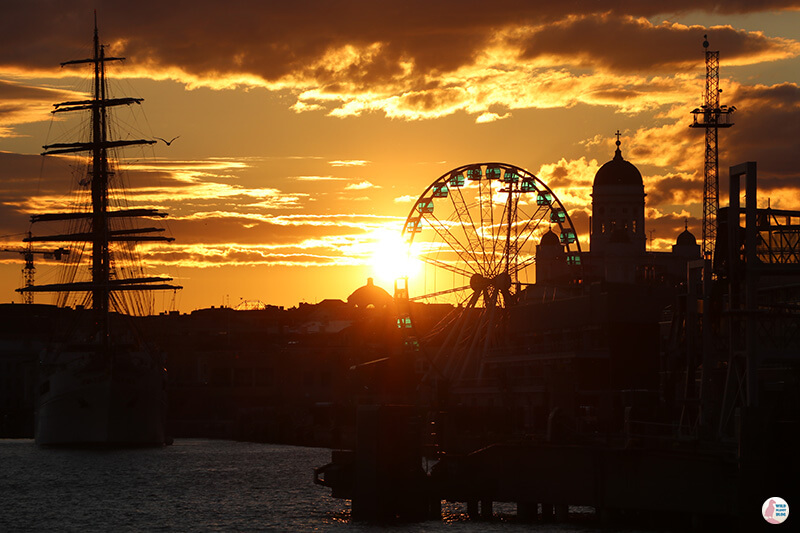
(390, 258)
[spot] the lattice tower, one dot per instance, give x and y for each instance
(711, 117)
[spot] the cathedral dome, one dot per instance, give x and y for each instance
(686, 238)
(618, 172)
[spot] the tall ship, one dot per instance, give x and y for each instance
(99, 382)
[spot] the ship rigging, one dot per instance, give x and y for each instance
(108, 223)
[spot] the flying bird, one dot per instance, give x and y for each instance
(166, 141)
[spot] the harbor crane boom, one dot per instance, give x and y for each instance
(29, 269)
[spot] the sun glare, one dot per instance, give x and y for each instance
(390, 258)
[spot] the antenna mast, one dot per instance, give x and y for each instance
(711, 116)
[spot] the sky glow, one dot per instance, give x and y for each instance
(307, 130)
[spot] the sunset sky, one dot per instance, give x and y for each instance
(307, 129)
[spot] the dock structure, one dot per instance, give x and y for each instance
(545, 480)
(385, 482)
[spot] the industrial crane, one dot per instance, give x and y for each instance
(29, 269)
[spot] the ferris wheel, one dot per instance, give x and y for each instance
(475, 231)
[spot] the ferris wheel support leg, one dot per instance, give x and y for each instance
(490, 319)
(481, 333)
(452, 365)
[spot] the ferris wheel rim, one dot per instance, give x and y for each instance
(537, 186)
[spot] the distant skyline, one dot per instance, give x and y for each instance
(306, 130)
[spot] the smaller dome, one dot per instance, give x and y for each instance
(686, 238)
(370, 295)
(550, 239)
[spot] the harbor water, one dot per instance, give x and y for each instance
(194, 485)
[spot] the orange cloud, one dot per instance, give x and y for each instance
(571, 181)
(22, 104)
(349, 163)
(351, 245)
(318, 178)
(360, 186)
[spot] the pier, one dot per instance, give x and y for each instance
(384, 478)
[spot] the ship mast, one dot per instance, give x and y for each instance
(101, 234)
(100, 256)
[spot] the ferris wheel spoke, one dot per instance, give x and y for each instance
(460, 333)
(464, 214)
(451, 240)
(487, 214)
(535, 219)
(487, 326)
(480, 338)
(516, 267)
(449, 319)
(511, 240)
(497, 235)
(439, 293)
(446, 266)
(508, 218)
(447, 326)
(523, 265)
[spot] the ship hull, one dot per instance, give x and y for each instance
(111, 403)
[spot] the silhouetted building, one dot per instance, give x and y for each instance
(587, 344)
(618, 252)
(618, 207)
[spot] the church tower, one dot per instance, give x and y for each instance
(618, 207)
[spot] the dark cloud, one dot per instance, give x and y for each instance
(22, 103)
(580, 221)
(275, 39)
(615, 95)
(766, 130)
(21, 178)
(241, 257)
(625, 44)
(433, 99)
(15, 91)
(666, 229)
(674, 189)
